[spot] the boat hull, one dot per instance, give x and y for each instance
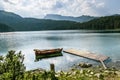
(47, 51)
(40, 54)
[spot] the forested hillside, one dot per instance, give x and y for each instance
(18, 23)
(5, 28)
(103, 23)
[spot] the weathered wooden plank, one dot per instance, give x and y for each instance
(87, 54)
(103, 64)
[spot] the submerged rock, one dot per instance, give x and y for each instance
(85, 65)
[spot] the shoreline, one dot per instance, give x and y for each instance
(82, 31)
(110, 65)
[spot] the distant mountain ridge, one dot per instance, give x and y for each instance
(83, 18)
(13, 22)
(9, 14)
(19, 23)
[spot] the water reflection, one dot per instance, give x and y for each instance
(104, 43)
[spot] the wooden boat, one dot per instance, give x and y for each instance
(47, 51)
(39, 54)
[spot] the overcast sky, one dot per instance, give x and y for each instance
(39, 8)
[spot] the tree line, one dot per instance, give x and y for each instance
(5, 28)
(30, 24)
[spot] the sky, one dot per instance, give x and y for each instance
(39, 8)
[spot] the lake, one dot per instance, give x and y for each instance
(102, 43)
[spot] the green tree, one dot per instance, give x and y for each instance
(11, 66)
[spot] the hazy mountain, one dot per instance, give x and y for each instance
(31, 24)
(83, 18)
(9, 17)
(11, 21)
(116, 15)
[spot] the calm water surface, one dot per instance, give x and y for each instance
(103, 43)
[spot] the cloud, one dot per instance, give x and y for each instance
(58, 5)
(1, 5)
(80, 7)
(93, 8)
(9, 1)
(39, 8)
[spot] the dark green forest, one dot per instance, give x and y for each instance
(13, 22)
(5, 28)
(103, 23)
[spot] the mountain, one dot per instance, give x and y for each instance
(8, 17)
(5, 28)
(31, 24)
(10, 21)
(82, 18)
(103, 23)
(116, 15)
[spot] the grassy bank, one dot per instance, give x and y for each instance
(12, 68)
(74, 74)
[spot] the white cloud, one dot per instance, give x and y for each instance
(39, 8)
(1, 5)
(80, 7)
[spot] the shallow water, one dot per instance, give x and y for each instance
(103, 43)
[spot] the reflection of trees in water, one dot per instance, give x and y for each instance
(5, 43)
(8, 42)
(56, 38)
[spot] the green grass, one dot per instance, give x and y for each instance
(74, 74)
